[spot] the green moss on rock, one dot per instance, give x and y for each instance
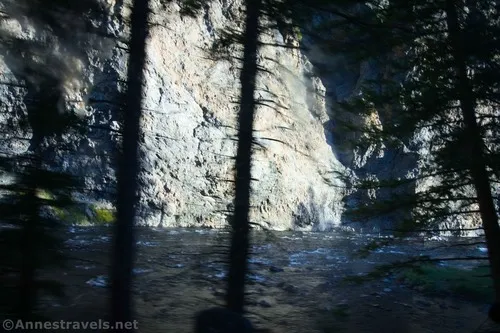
(73, 215)
(92, 215)
(44, 194)
(104, 215)
(298, 33)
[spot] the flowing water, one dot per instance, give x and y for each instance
(296, 283)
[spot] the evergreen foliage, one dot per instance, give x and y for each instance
(31, 235)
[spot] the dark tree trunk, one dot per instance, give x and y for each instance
(240, 224)
(123, 253)
(222, 321)
(42, 115)
(29, 262)
(475, 147)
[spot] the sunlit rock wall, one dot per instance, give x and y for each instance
(189, 126)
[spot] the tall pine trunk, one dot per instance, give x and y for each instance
(123, 252)
(238, 254)
(40, 117)
(28, 292)
(475, 147)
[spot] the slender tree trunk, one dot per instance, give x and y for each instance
(28, 292)
(475, 147)
(29, 263)
(123, 253)
(240, 224)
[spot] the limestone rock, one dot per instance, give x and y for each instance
(189, 119)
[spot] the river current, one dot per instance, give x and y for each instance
(296, 282)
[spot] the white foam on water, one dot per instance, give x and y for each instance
(467, 266)
(141, 270)
(99, 281)
(396, 252)
(85, 267)
(74, 241)
(482, 249)
(297, 259)
(256, 278)
(389, 251)
(257, 260)
(145, 243)
(261, 247)
(291, 238)
(338, 259)
(437, 238)
(318, 251)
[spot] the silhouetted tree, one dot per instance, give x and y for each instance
(239, 221)
(31, 234)
(430, 80)
(240, 224)
(474, 144)
(123, 252)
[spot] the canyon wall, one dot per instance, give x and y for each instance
(189, 124)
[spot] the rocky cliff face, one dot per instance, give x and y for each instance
(189, 122)
(190, 108)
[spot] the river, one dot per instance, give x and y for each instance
(296, 283)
